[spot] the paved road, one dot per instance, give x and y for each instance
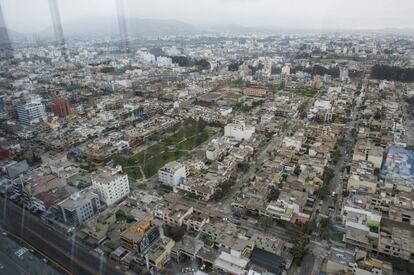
(345, 155)
(68, 255)
(311, 264)
(18, 259)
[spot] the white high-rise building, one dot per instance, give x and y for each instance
(286, 69)
(172, 174)
(163, 61)
(111, 184)
(239, 131)
(32, 112)
(145, 57)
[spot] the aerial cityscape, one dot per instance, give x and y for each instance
(137, 145)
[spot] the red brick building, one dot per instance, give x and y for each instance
(61, 108)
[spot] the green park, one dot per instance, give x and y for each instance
(169, 147)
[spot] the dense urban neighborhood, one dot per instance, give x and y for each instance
(209, 154)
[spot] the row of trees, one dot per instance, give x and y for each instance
(392, 73)
(317, 70)
(410, 101)
(184, 61)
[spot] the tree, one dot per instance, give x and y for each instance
(203, 64)
(324, 227)
(273, 194)
(243, 166)
(300, 249)
(174, 232)
(108, 70)
(345, 193)
(335, 156)
(323, 192)
(182, 61)
(309, 227)
(234, 66)
(392, 73)
(328, 175)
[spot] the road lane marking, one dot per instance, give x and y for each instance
(38, 251)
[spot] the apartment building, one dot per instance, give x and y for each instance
(111, 184)
(79, 207)
(172, 174)
(239, 131)
(32, 112)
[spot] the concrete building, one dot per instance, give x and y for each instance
(111, 184)
(362, 227)
(32, 112)
(286, 69)
(158, 255)
(231, 263)
(172, 174)
(346, 262)
(79, 207)
(362, 177)
(140, 236)
(174, 215)
(239, 131)
(61, 108)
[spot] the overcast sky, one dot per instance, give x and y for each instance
(33, 15)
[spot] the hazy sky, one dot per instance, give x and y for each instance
(33, 15)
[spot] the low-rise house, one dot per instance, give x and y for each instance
(362, 227)
(196, 220)
(397, 240)
(98, 226)
(289, 207)
(140, 236)
(158, 255)
(174, 215)
(59, 165)
(231, 263)
(341, 261)
(362, 177)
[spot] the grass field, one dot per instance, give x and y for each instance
(172, 147)
(306, 93)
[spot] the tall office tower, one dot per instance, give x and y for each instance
(57, 24)
(32, 112)
(61, 108)
(123, 33)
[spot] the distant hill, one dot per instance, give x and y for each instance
(401, 31)
(12, 36)
(229, 28)
(101, 27)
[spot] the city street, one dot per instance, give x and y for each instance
(69, 255)
(345, 151)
